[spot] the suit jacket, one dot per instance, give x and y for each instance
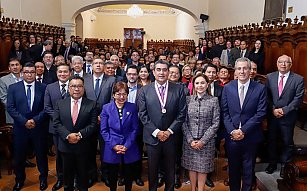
(85, 124)
(17, 107)
(234, 55)
(71, 51)
(52, 96)
(5, 82)
(218, 90)
(150, 111)
(50, 75)
(116, 132)
(291, 97)
(36, 52)
(105, 93)
(251, 114)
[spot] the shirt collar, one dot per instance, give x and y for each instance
(32, 84)
(100, 77)
(73, 100)
(245, 85)
(286, 75)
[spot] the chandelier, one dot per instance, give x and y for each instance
(135, 11)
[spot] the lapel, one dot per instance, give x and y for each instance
(103, 81)
(126, 113)
(275, 83)
(236, 93)
(115, 116)
(81, 111)
(58, 89)
(37, 95)
(169, 95)
(152, 91)
(249, 93)
(91, 84)
(11, 79)
(287, 85)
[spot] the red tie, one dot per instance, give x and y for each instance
(280, 85)
(75, 112)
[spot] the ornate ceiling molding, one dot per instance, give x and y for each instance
(170, 11)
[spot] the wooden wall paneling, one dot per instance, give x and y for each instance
(272, 52)
(300, 60)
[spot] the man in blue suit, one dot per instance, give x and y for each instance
(25, 103)
(244, 106)
(55, 92)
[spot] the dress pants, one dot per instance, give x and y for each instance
(75, 164)
(128, 175)
(241, 161)
(280, 130)
(92, 156)
(21, 142)
(163, 154)
(59, 160)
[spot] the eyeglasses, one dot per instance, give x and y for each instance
(29, 72)
(121, 94)
(76, 86)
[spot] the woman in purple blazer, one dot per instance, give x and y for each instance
(119, 128)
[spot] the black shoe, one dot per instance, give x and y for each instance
(43, 185)
(177, 183)
(160, 182)
(58, 185)
(209, 183)
(18, 186)
(282, 172)
(271, 168)
(107, 182)
(121, 182)
(30, 164)
(139, 182)
(50, 153)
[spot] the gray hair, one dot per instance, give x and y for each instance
(243, 59)
(74, 58)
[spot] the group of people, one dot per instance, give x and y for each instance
(179, 108)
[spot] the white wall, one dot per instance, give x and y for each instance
(185, 27)
(299, 8)
(225, 13)
(41, 11)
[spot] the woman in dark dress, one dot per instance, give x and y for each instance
(257, 55)
(17, 51)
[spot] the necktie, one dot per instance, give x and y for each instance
(63, 91)
(75, 112)
(89, 69)
(162, 92)
(97, 87)
(241, 54)
(280, 85)
(66, 54)
(241, 95)
(209, 90)
(39, 79)
(29, 97)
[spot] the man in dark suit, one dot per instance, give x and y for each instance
(162, 110)
(77, 66)
(25, 103)
(235, 52)
(244, 107)
(49, 75)
(175, 61)
(69, 50)
(75, 120)
(285, 95)
(37, 51)
(55, 92)
(98, 87)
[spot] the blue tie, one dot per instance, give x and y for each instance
(89, 69)
(29, 97)
(97, 87)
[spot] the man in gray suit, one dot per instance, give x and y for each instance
(98, 87)
(162, 110)
(285, 95)
(7, 80)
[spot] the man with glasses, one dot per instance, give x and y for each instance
(285, 95)
(25, 103)
(75, 120)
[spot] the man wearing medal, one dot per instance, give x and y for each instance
(162, 110)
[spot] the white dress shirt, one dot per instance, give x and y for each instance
(32, 91)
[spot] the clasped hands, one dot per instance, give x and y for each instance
(197, 145)
(73, 138)
(278, 113)
(163, 135)
(120, 149)
(237, 135)
(30, 124)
